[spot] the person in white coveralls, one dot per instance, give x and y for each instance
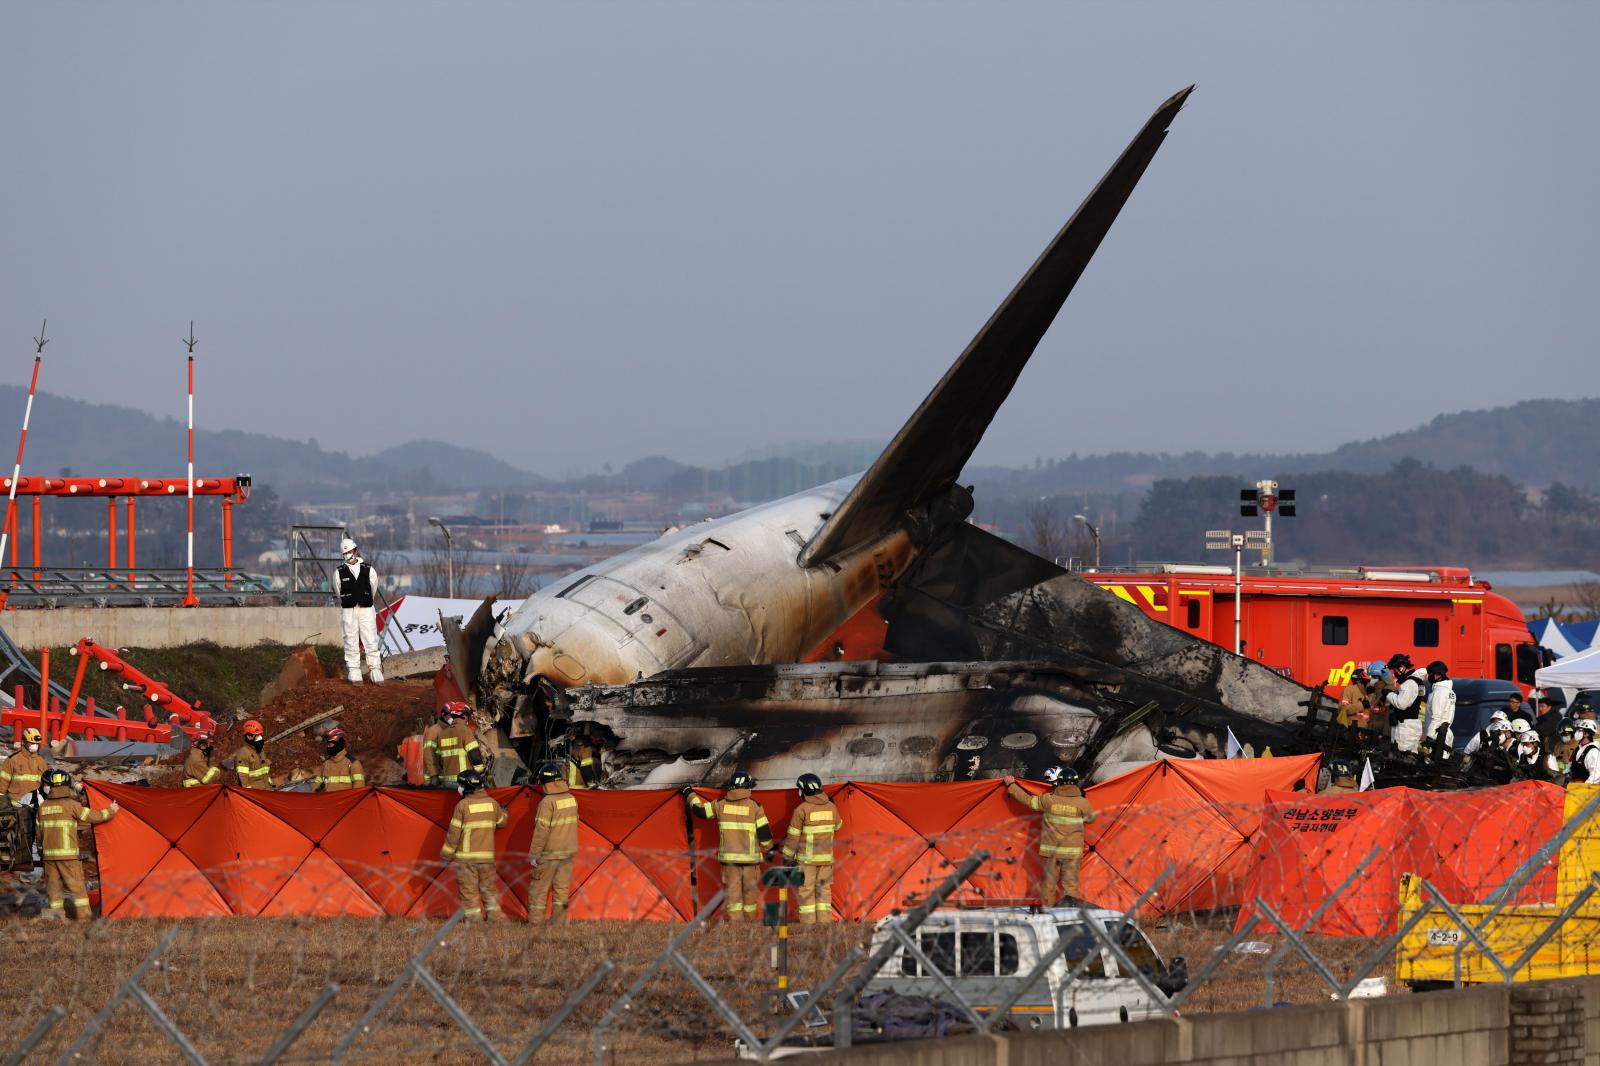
(358, 619)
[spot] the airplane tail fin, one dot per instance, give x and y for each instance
(926, 456)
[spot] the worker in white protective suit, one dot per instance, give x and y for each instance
(358, 582)
(1586, 763)
(1439, 714)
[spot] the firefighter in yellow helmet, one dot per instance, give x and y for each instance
(339, 771)
(201, 767)
(60, 817)
(582, 769)
(250, 762)
(1064, 812)
(449, 746)
(809, 845)
(469, 846)
(23, 771)
(554, 845)
(743, 837)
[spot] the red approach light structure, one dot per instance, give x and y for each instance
(57, 719)
(232, 490)
(193, 719)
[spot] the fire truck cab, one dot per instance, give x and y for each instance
(1317, 626)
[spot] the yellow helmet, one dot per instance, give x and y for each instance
(32, 736)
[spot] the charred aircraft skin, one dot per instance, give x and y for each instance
(859, 721)
(769, 585)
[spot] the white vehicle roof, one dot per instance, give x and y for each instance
(1015, 915)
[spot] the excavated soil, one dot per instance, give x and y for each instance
(376, 718)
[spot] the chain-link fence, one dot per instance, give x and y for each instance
(1197, 906)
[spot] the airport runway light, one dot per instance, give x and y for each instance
(1225, 540)
(449, 554)
(1094, 531)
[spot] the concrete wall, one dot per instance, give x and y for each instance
(1548, 1023)
(166, 627)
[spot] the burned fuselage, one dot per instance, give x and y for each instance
(768, 586)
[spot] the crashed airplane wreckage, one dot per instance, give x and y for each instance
(697, 652)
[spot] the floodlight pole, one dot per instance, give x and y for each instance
(449, 555)
(1238, 591)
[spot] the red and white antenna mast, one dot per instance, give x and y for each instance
(188, 599)
(16, 471)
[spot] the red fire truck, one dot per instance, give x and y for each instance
(1318, 625)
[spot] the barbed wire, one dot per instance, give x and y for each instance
(1293, 900)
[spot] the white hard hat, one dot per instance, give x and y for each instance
(1585, 725)
(346, 546)
(1520, 726)
(1499, 716)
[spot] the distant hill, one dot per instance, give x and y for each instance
(105, 439)
(1532, 443)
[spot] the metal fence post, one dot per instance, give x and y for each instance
(31, 1041)
(307, 1016)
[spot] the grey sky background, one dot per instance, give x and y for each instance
(581, 233)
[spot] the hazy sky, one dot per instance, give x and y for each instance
(580, 233)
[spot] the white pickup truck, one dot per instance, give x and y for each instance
(987, 953)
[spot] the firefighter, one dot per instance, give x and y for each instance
(1586, 760)
(19, 784)
(339, 771)
(554, 846)
(59, 818)
(1566, 746)
(1355, 701)
(583, 764)
(1341, 777)
(469, 846)
(449, 746)
(250, 762)
(1064, 812)
(201, 767)
(743, 837)
(1406, 703)
(21, 773)
(809, 846)
(358, 619)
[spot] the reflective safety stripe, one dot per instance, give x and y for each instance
(56, 823)
(190, 782)
(1057, 849)
(814, 908)
(58, 904)
(60, 853)
(448, 742)
(9, 776)
(334, 780)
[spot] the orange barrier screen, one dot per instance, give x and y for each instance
(220, 850)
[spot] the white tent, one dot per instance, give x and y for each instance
(1577, 672)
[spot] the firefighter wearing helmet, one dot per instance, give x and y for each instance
(1341, 777)
(554, 845)
(358, 618)
(809, 845)
(250, 762)
(743, 837)
(469, 846)
(21, 773)
(60, 817)
(339, 771)
(202, 767)
(449, 747)
(1063, 813)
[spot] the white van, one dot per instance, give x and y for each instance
(987, 953)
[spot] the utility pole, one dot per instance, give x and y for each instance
(1094, 532)
(449, 554)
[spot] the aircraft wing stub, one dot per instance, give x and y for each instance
(923, 461)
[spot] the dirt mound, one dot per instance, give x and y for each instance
(375, 718)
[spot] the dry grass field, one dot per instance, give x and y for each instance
(234, 984)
